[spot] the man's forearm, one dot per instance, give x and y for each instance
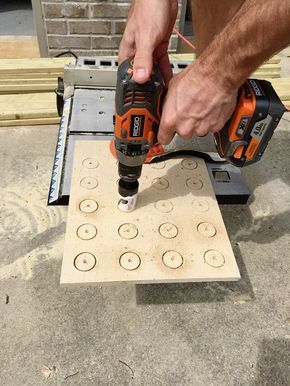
(258, 30)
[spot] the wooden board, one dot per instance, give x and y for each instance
(18, 47)
(30, 122)
(35, 65)
(282, 87)
(176, 233)
(23, 106)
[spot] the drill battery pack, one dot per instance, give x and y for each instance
(246, 135)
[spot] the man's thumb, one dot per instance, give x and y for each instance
(142, 66)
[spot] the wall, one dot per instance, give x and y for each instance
(88, 27)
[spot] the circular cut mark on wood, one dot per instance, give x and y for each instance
(200, 205)
(85, 262)
(167, 230)
(206, 229)
(164, 206)
(88, 206)
(128, 231)
(130, 261)
(158, 165)
(194, 183)
(189, 164)
(90, 163)
(160, 183)
(172, 259)
(86, 231)
(89, 183)
(214, 258)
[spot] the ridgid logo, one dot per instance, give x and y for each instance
(137, 125)
(256, 88)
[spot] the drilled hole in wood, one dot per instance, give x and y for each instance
(86, 231)
(214, 258)
(160, 183)
(90, 163)
(172, 259)
(130, 261)
(189, 164)
(168, 230)
(128, 231)
(194, 183)
(88, 206)
(206, 229)
(85, 262)
(89, 183)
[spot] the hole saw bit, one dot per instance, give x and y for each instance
(137, 118)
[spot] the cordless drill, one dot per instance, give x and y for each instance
(242, 141)
(138, 111)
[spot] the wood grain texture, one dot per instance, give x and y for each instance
(12, 47)
(177, 223)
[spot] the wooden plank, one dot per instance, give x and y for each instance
(282, 87)
(176, 233)
(191, 56)
(31, 75)
(30, 122)
(25, 81)
(12, 47)
(23, 106)
(36, 65)
(27, 88)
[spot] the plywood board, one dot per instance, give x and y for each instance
(176, 233)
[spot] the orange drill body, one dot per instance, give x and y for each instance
(138, 112)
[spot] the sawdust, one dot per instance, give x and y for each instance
(30, 231)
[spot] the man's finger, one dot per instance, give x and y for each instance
(143, 63)
(126, 49)
(166, 132)
(165, 68)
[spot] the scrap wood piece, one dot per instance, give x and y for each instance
(176, 233)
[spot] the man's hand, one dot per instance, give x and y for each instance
(146, 37)
(195, 105)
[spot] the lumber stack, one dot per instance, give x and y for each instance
(27, 90)
(27, 87)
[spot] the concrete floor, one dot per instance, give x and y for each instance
(185, 334)
(16, 18)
